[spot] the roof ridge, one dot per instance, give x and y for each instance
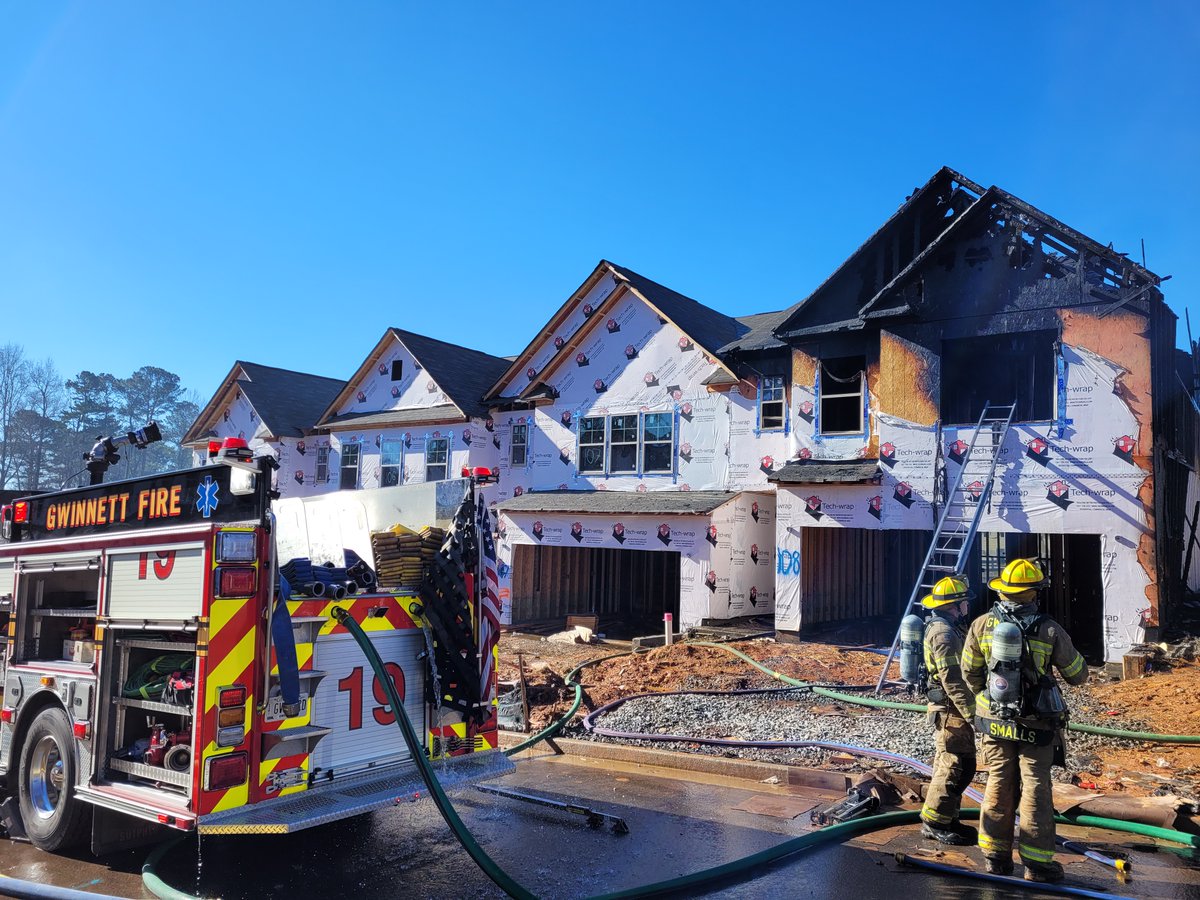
(243, 363)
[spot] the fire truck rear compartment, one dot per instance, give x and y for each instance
(140, 713)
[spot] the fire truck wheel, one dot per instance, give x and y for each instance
(54, 818)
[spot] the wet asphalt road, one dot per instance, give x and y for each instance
(679, 822)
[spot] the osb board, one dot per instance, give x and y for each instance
(907, 392)
(776, 806)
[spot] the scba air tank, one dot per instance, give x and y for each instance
(912, 649)
(1004, 679)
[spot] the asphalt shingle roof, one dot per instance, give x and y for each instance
(464, 374)
(761, 332)
(813, 471)
(446, 412)
(618, 502)
(711, 329)
(289, 403)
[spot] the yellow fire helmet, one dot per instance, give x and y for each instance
(1018, 576)
(950, 589)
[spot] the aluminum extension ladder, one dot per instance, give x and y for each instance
(959, 521)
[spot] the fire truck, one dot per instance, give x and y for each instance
(161, 672)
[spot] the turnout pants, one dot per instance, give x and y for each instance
(1017, 770)
(953, 768)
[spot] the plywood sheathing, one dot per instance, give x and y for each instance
(909, 390)
(804, 368)
(1123, 339)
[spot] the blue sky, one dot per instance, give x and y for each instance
(184, 185)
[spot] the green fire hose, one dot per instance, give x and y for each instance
(706, 878)
(920, 707)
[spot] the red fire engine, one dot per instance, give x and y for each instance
(161, 670)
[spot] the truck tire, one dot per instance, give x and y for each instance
(54, 817)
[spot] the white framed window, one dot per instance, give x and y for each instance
(623, 444)
(391, 462)
(842, 385)
(658, 441)
(350, 459)
(591, 445)
(437, 459)
(322, 465)
(519, 456)
(771, 401)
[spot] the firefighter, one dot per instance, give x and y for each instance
(951, 709)
(1019, 710)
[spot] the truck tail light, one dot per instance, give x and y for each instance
(223, 772)
(6, 715)
(234, 582)
(80, 730)
(231, 715)
(236, 546)
(20, 514)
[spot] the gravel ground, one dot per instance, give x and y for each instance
(790, 716)
(800, 715)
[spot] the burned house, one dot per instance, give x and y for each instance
(968, 296)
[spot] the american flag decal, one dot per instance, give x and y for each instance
(489, 619)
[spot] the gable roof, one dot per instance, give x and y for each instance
(703, 324)
(463, 374)
(1125, 278)
(839, 297)
(707, 327)
(287, 402)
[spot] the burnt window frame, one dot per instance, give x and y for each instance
(824, 394)
(770, 384)
(984, 354)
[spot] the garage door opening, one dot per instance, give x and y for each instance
(1075, 595)
(630, 586)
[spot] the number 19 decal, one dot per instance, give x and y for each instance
(383, 713)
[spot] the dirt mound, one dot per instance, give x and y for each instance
(1169, 702)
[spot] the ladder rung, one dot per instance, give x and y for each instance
(932, 568)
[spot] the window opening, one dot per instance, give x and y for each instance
(520, 444)
(322, 465)
(842, 395)
(591, 445)
(623, 443)
(437, 458)
(390, 464)
(999, 369)
(771, 403)
(397, 369)
(658, 438)
(349, 477)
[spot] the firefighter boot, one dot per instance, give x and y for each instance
(1048, 872)
(956, 834)
(998, 865)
